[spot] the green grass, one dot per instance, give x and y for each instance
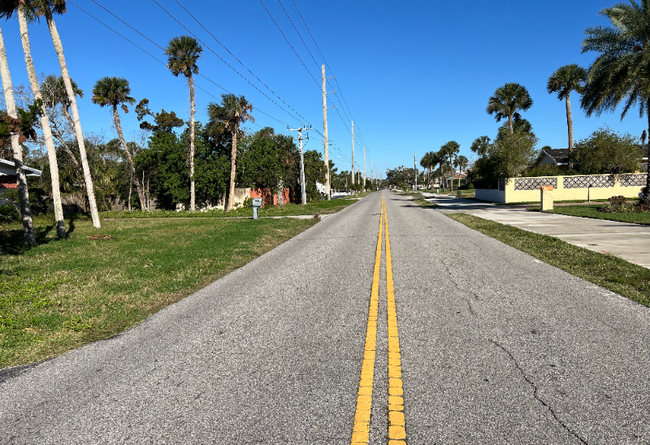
(60, 295)
(313, 208)
(424, 203)
(610, 272)
(591, 211)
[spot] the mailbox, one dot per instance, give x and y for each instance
(257, 203)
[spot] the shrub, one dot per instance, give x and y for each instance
(617, 204)
(8, 214)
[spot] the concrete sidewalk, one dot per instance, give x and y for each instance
(628, 241)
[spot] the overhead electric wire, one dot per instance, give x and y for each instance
(154, 57)
(289, 43)
(320, 52)
(224, 61)
(237, 59)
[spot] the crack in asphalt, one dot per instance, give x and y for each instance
(536, 396)
(462, 289)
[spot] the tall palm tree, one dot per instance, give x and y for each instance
(564, 80)
(23, 192)
(47, 8)
(506, 102)
(114, 92)
(450, 150)
(7, 9)
(233, 111)
(619, 74)
(183, 52)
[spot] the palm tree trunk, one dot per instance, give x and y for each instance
(233, 159)
(45, 123)
(56, 40)
(23, 192)
(129, 158)
(190, 80)
(569, 123)
(512, 130)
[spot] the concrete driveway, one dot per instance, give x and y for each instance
(628, 241)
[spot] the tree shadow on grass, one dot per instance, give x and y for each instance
(12, 242)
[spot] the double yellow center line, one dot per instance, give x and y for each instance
(396, 423)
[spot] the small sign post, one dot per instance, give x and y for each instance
(257, 203)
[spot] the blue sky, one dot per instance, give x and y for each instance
(413, 75)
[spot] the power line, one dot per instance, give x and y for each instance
(289, 43)
(157, 59)
(237, 59)
(223, 60)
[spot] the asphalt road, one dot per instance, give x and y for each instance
(496, 348)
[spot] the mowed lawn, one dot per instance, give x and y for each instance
(63, 294)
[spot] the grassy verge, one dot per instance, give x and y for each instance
(608, 271)
(591, 211)
(64, 294)
(313, 208)
(424, 203)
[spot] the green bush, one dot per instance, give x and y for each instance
(39, 202)
(8, 214)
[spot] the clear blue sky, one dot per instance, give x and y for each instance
(414, 75)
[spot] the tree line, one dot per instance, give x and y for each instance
(176, 162)
(618, 76)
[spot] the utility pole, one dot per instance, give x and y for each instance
(371, 172)
(302, 162)
(327, 159)
(364, 167)
(352, 152)
(415, 170)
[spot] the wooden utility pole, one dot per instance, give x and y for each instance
(371, 172)
(352, 152)
(364, 167)
(302, 162)
(327, 159)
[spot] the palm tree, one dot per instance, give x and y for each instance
(564, 80)
(6, 10)
(183, 52)
(461, 162)
(46, 8)
(114, 92)
(620, 71)
(506, 102)
(481, 145)
(449, 150)
(23, 192)
(233, 111)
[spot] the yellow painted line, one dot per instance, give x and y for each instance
(396, 421)
(361, 429)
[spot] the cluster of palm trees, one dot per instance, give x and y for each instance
(618, 75)
(183, 53)
(30, 11)
(445, 160)
(113, 92)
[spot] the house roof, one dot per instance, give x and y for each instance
(559, 155)
(8, 168)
